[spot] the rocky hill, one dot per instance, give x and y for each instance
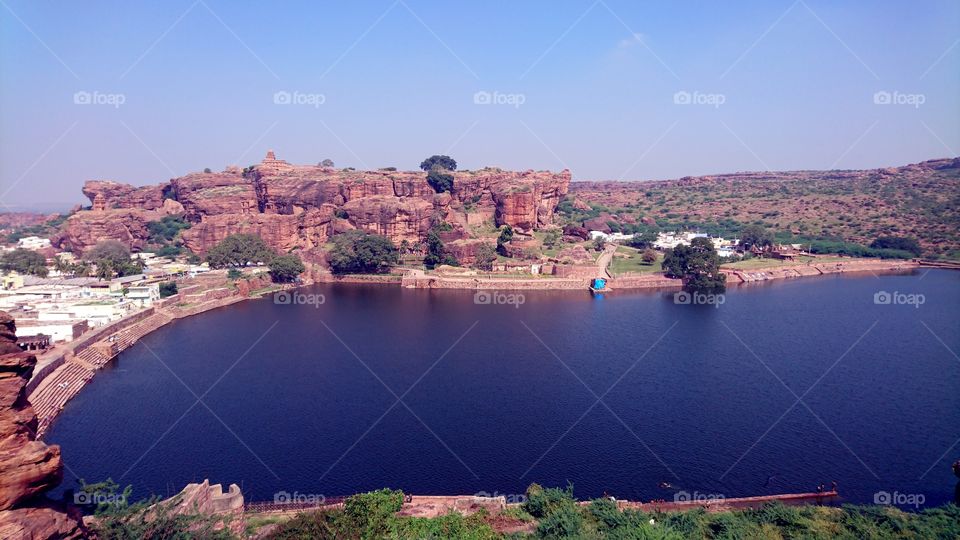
(294, 206)
(920, 200)
(28, 467)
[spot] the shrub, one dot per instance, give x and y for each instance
(168, 288)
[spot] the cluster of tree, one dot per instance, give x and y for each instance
(362, 252)
(112, 257)
(755, 235)
(438, 172)
(506, 235)
(697, 264)
(437, 253)
(24, 261)
(239, 250)
(164, 239)
(856, 250)
(898, 243)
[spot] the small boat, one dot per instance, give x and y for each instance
(598, 286)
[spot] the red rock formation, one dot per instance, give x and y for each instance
(28, 467)
(84, 229)
(117, 195)
(293, 206)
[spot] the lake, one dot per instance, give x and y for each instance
(784, 386)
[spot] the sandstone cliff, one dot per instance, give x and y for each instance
(302, 206)
(28, 467)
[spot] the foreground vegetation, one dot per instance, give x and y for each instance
(554, 513)
(546, 513)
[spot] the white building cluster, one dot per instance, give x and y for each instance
(669, 240)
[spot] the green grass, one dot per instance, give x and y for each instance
(634, 263)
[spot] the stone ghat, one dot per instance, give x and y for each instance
(735, 276)
(52, 393)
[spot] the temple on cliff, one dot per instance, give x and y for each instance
(271, 162)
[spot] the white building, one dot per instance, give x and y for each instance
(610, 237)
(33, 242)
(144, 295)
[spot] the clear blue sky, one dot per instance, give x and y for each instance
(597, 81)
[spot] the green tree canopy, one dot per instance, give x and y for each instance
(239, 250)
(112, 256)
(901, 243)
(286, 268)
(755, 235)
(446, 163)
(361, 252)
(440, 181)
(24, 261)
(697, 264)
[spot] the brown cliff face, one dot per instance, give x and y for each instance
(28, 467)
(294, 206)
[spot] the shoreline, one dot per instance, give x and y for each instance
(62, 374)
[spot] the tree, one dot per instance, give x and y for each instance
(207, 170)
(697, 264)
(486, 256)
(506, 235)
(361, 252)
(239, 250)
(168, 288)
(599, 243)
(440, 181)
(551, 238)
(113, 256)
(901, 243)
(327, 163)
(286, 268)
(755, 235)
(649, 256)
(114, 251)
(641, 240)
(437, 253)
(446, 163)
(24, 261)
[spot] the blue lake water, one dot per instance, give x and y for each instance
(784, 386)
